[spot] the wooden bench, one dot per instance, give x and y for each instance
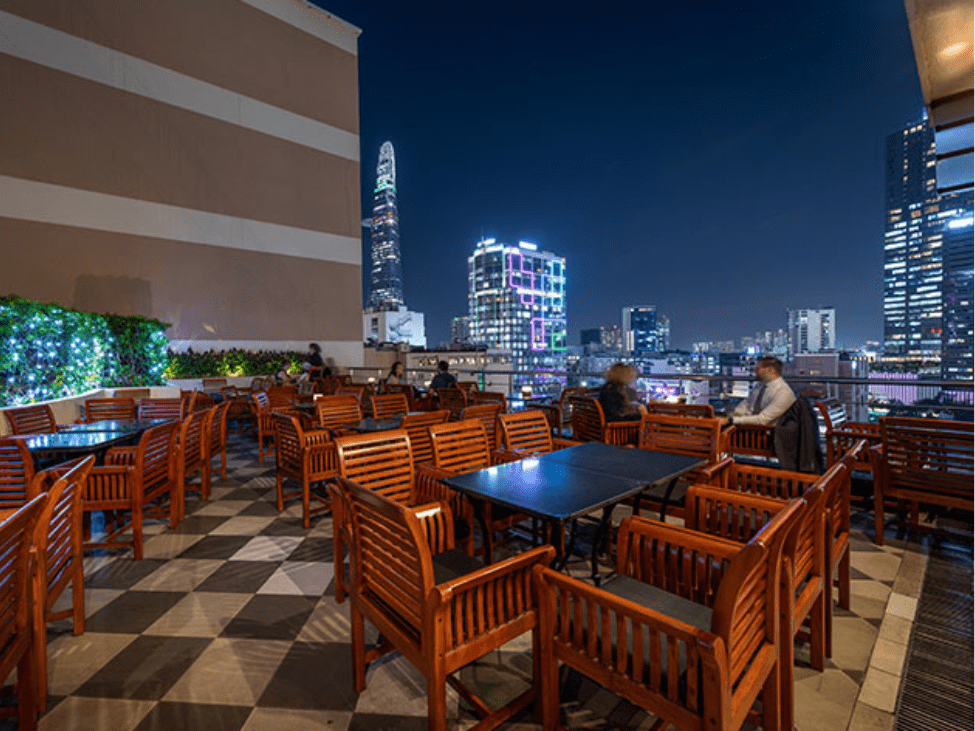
(435, 605)
(922, 461)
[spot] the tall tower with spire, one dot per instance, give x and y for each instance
(386, 277)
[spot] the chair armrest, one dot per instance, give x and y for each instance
(428, 488)
(717, 474)
(437, 522)
(622, 433)
(499, 573)
(316, 436)
(560, 443)
(503, 456)
(121, 455)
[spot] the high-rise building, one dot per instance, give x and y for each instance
(460, 329)
(913, 270)
(640, 329)
(812, 331)
(516, 301)
(386, 275)
(591, 336)
(663, 333)
(957, 333)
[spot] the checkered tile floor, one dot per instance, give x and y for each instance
(229, 624)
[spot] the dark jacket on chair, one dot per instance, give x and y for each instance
(796, 439)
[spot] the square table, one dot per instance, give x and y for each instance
(369, 425)
(568, 483)
(133, 426)
(69, 444)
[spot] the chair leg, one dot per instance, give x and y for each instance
(223, 462)
(338, 546)
(26, 685)
(845, 579)
(437, 699)
(817, 630)
(280, 485)
(305, 502)
(357, 624)
(878, 516)
(39, 644)
(772, 719)
(137, 533)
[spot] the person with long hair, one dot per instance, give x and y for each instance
(618, 396)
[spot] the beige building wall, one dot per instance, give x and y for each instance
(196, 162)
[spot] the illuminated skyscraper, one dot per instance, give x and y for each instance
(956, 346)
(386, 276)
(912, 250)
(516, 301)
(640, 329)
(812, 331)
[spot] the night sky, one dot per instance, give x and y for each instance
(724, 164)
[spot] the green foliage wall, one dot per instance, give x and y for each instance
(216, 363)
(48, 351)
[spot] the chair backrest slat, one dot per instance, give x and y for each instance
(417, 425)
(391, 404)
(161, 408)
(460, 446)
(527, 432)
(16, 473)
(382, 462)
(334, 411)
(486, 413)
(37, 419)
(103, 409)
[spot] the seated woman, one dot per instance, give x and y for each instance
(395, 377)
(618, 397)
(282, 376)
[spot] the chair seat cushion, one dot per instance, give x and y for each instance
(676, 607)
(453, 563)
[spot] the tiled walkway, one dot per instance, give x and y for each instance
(229, 623)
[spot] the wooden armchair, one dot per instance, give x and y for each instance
(696, 614)
(17, 634)
(334, 412)
(755, 440)
(738, 516)
(392, 404)
(453, 400)
(842, 435)
(526, 433)
(132, 479)
(161, 408)
(441, 615)
(460, 447)
(358, 391)
(16, 473)
(401, 388)
(215, 442)
(38, 419)
(105, 409)
(58, 557)
(489, 397)
(559, 412)
(667, 408)
(189, 458)
(417, 425)
(486, 413)
(262, 411)
(306, 457)
(922, 461)
(589, 424)
(282, 397)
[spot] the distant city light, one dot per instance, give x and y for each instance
(961, 222)
(528, 245)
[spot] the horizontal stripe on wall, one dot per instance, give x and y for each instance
(205, 292)
(312, 19)
(72, 55)
(60, 129)
(335, 353)
(46, 203)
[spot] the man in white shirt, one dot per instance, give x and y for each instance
(770, 400)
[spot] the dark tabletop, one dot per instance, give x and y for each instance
(70, 442)
(372, 425)
(572, 482)
(116, 425)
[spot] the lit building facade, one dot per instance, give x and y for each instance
(957, 333)
(812, 331)
(516, 301)
(663, 333)
(640, 329)
(386, 275)
(913, 264)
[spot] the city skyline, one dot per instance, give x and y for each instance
(672, 157)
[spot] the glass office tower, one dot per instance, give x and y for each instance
(516, 301)
(640, 329)
(386, 275)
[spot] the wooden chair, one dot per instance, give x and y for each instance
(262, 411)
(161, 408)
(105, 409)
(334, 412)
(460, 447)
(306, 457)
(16, 620)
(489, 397)
(282, 397)
(453, 400)
(589, 424)
(559, 413)
(357, 390)
(16, 473)
(440, 616)
(401, 388)
(668, 408)
(842, 434)
(468, 387)
(528, 432)
(751, 478)
(38, 419)
(132, 479)
(738, 516)
(305, 392)
(58, 557)
(486, 413)
(202, 402)
(697, 614)
(189, 459)
(215, 443)
(919, 461)
(754, 440)
(417, 425)
(392, 404)
(690, 435)
(187, 399)
(837, 500)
